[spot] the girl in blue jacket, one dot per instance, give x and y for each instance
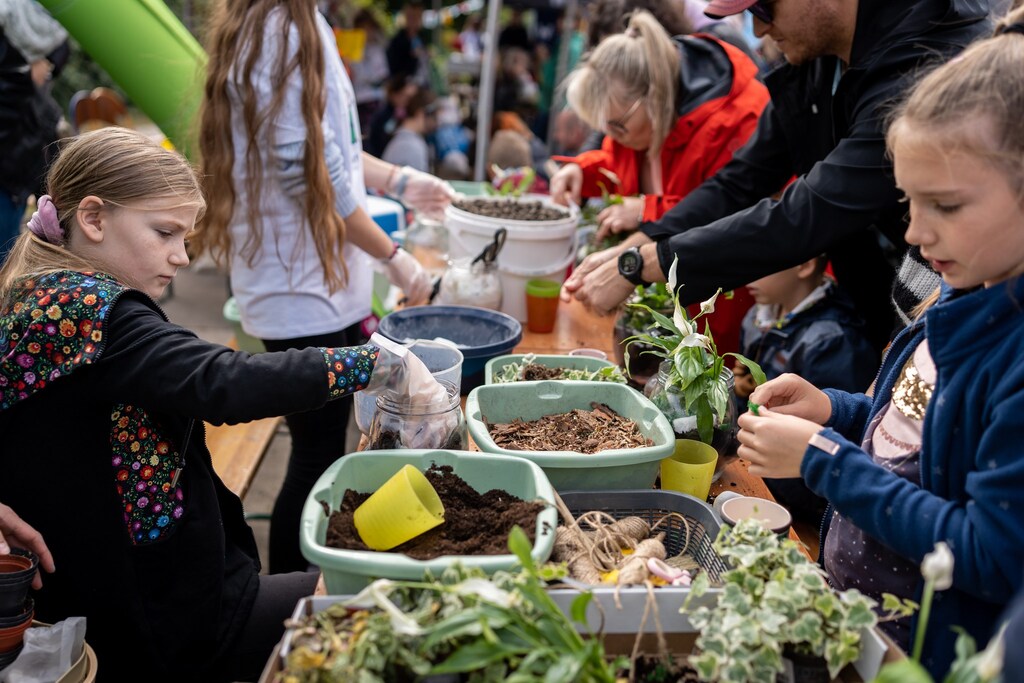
(102, 404)
(935, 455)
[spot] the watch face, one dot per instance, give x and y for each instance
(629, 262)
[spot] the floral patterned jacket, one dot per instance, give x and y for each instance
(102, 403)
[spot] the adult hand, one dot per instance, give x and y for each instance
(406, 273)
(791, 394)
(567, 185)
(603, 290)
(14, 529)
(773, 443)
(624, 217)
(586, 267)
(423, 192)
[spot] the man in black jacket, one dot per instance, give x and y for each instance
(847, 62)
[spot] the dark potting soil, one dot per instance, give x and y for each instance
(388, 440)
(657, 670)
(474, 523)
(510, 208)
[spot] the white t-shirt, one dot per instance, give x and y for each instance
(282, 294)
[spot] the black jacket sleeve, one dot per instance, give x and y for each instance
(168, 368)
(847, 192)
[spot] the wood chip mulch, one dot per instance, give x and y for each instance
(583, 431)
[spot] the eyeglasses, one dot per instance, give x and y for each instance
(619, 125)
(762, 10)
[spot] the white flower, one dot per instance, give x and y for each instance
(672, 275)
(937, 567)
(681, 322)
(376, 595)
(990, 662)
(708, 306)
(696, 339)
(485, 590)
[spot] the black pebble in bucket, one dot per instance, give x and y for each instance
(480, 333)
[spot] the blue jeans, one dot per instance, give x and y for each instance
(10, 223)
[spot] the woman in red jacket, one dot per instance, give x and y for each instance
(673, 111)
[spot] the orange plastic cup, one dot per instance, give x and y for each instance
(541, 305)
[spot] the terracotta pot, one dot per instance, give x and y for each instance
(12, 637)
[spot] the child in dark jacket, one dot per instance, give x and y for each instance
(102, 403)
(804, 324)
(934, 455)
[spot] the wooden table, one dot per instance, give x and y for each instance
(577, 328)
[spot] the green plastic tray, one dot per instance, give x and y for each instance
(623, 468)
(496, 365)
(349, 571)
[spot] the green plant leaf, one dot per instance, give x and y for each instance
(476, 655)
(903, 671)
(578, 609)
(755, 369)
(519, 544)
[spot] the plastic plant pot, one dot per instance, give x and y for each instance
(541, 305)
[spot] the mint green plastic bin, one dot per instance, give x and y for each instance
(496, 365)
(623, 468)
(349, 571)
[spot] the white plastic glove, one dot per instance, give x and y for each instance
(403, 377)
(406, 273)
(422, 192)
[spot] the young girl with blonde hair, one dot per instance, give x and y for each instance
(934, 455)
(102, 404)
(285, 177)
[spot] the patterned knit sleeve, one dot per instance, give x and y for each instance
(349, 368)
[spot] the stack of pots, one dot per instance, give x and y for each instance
(533, 249)
(16, 609)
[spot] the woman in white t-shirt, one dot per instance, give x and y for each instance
(286, 182)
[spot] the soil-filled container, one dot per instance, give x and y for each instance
(623, 468)
(348, 571)
(496, 366)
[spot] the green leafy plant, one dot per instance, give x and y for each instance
(511, 184)
(504, 628)
(696, 366)
(970, 665)
(513, 372)
(772, 599)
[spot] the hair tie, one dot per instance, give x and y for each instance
(44, 223)
(1015, 27)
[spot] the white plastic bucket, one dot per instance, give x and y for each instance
(513, 281)
(538, 245)
(444, 360)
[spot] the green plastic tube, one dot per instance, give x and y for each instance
(148, 53)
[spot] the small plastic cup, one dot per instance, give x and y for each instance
(770, 514)
(541, 304)
(690, 468)
(404, 507)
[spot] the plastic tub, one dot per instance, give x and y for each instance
(442, 359)
(245, 341)
(622, 468)
(514, 279)
(480, 334)
(496, 365)
(532, 245)
(349, 571)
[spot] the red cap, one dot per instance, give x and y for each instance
(717, 9)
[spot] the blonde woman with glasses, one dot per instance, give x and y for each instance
(673, 111)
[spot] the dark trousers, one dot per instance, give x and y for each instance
(318, 440)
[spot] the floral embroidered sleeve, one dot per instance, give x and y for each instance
(349, 368)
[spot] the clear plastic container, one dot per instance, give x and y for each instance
(471, 284)
(669, 399)
(399, 424)
(427, 240)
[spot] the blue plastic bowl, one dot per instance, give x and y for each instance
(480, 333)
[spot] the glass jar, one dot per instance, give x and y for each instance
(400, 424)
(669, 400)
(642, 366)
(427, 240)
(471, 284)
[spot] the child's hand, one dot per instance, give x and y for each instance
(743, 381)
(791, 394)
(773, 443)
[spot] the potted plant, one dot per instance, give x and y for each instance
(635, 319)
(692, 386)
(775, 602)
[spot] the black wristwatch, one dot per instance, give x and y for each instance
(631, 266)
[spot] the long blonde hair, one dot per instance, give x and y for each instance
(984, 80)
(121, 167)
(235, 41)
(646, 61)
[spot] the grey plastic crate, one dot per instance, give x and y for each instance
(651, 506)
